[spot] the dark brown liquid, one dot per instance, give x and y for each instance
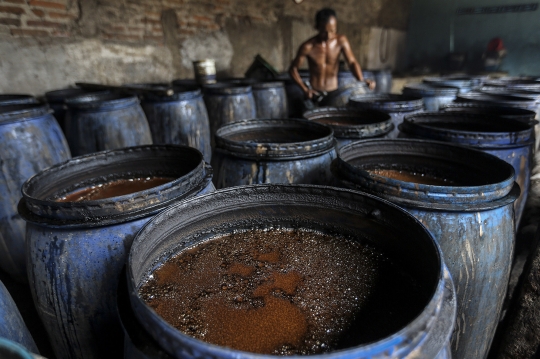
(115, 188)
(413, 177)
(284, 292)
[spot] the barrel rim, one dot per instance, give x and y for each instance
(222, 88)
(181, 93)
(449, 198)
(419, 125)
(505, 100)
(387, 102)
(97, 213)
(61, 94)
(424, 89)
(398, 340)
(381, 125)
(23, 112)
(101, 101)
(460, 82)
(274, 150)
(15, 348)
(487, 106)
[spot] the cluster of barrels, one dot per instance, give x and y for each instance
(452, 156)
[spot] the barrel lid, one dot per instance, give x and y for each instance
(101, 101)
(41, 191)
(226, 89)
(477, 130)
(424, 89)
(16, 99)
(352, 123)
(499, 100)
(13, 113)
(274, 139)
(476, 180)
(387, 102)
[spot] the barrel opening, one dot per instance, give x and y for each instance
(471, 124)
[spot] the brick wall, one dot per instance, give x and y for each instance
(104, 39)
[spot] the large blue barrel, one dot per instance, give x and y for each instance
(351, 124)
(324, 209)
(434, 96)
(76, 250)
(228, 102)
(463, 84)
(397, 106)
(12, 325)
(382, 78)
(16, 99)
(465, 199)
(57, 102)
(30, 141)
(12, 350)
(341, 96)
(273, 151)
(180, 119)
(105, 121)
(510, 140)
(270, 99)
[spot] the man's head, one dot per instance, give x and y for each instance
(326, 23)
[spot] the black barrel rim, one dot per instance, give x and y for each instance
(13, 113)
(59, 96)
(423, 89)
(101, 101)
(257, 193)
(499, 100)
(369, 123)
(16, 99)
(460, 82)
(181, 92)
(477, 130)
(490, 109)
(322, 139)
(226, 89)
(444, 158)
(38, 204)
(387, 102)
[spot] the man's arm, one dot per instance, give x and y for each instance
(354, 66)
(295, 65)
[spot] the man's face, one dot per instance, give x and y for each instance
(328, 30)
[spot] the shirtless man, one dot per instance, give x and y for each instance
(322, 52)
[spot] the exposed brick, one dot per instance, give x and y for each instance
(202, 18)
(16, 1)
(28, 32)
(12, 10)
(38, 13)
(11, 22)
(119, 37)
(60, 15)
(48, 4)
(43, 23)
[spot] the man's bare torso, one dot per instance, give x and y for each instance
(323, 62)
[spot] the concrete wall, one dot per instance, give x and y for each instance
(50, 44)
(430, 29)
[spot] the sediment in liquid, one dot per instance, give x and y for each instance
(284, 292)
(414, 177)
(116, 188)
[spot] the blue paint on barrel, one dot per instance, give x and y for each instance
(12, 350)
(350, 124)
(30, 141)
(12, 325)
(434, 96)
(397, 106)
(76, 250)
(273, 151)
(98, 122)
(270, 99)
(16, 99)
(510, 140)
(180, 119)
(471, 217)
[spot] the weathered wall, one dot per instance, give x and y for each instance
(49, 44)
(431, 24)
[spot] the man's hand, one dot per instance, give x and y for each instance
(310, 93)
(370, 83)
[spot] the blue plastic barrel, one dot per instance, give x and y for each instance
(270, 99)
(465, 199)
(30, 141)
(434, 96)
(76, 250)
(12, 350)
(105, 121)
(273, 151)
(510, 140)
(12, 325)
